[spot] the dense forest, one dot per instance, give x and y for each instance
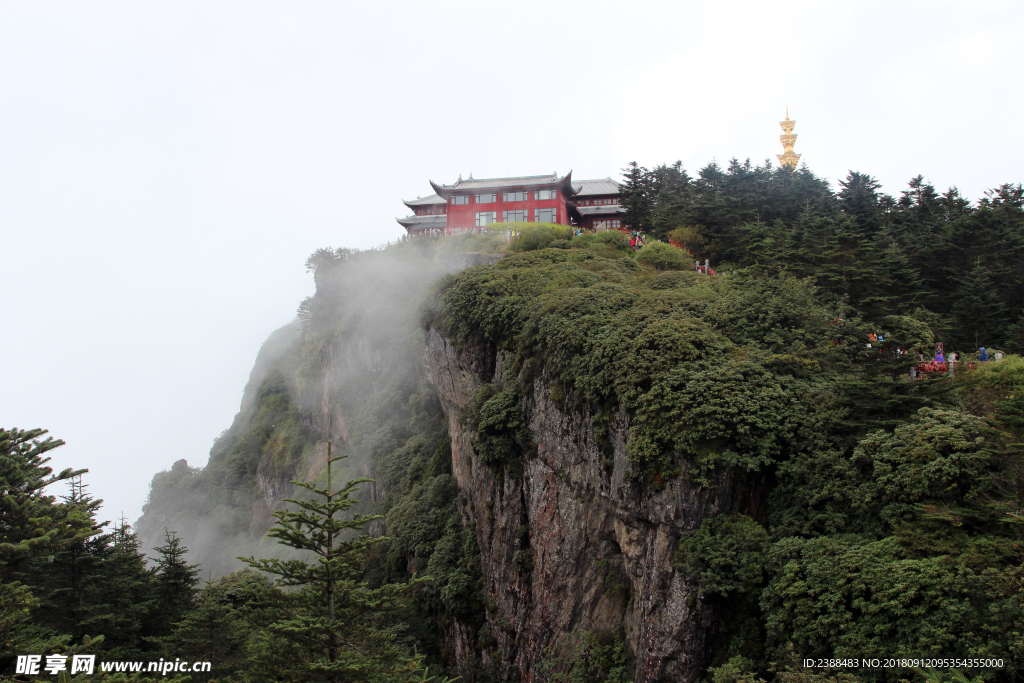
(876, 516)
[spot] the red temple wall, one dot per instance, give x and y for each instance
(464, 215)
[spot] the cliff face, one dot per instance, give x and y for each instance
(600, 547)
(343, 374)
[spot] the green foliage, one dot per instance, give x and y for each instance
(608, 243)
(268, 433)
(34, 525)
(331, 612)
(961, 262)
(663, 256)
(725, 555)
(937, 462)
(33, 522)
(892, 511)
(664, 354)
(176, 579)
(534, 236)
(597, 658)
(225, 625)
(496, 417)
(837, 596)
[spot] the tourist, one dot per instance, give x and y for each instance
(939, 358)
(983, 356)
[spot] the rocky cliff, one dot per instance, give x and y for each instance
(572, 543)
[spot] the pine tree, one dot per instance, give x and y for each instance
(671, 190)
(978, 311)
(635, 196)
(175, 583)
(67, 577)
(216, 629)
(334, 611)
(127, 594)
(33, 524)
(859, 199)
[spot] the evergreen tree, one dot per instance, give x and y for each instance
(67, 578)
(175, 582)
(670, 188)
(333, 615)
(635, 196)
(978, 311)
(859, 199)
(217, 629)
(127, 593)
(32, 524)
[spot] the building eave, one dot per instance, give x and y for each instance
(492, 184)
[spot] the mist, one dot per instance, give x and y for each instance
(344, 371)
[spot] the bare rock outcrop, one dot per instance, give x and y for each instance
(573, 543)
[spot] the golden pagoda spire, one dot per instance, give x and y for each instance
(788, 159)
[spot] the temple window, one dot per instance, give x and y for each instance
(460, 199)
(485, 218)
(545, 215)
(513, 196)
(486, 198)
(544, 194)
(515, 216)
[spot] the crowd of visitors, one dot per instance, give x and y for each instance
(637, 240)
(942, 363)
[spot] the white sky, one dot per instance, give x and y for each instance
(166, 167)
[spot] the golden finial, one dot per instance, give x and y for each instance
(788, 159)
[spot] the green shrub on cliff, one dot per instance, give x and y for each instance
(683, 361)
(662, 256)
(725, 555)
(534, 236)
(901, 544)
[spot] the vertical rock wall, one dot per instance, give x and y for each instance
(573, 544)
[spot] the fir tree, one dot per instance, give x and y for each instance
(859, 199)
(635, 196)
(32, 524)
(978, 311)
(175, 583)
(216, 629)
(333, 614)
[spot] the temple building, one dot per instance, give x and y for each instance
(472, 203)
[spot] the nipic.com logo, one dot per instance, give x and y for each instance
(55, 664)
(35, 665)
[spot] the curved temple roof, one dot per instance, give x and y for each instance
(606, 210)
(601, 186)
(471, 185)
(424, 201)
(430, 221)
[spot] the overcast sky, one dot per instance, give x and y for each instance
(166, 167)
